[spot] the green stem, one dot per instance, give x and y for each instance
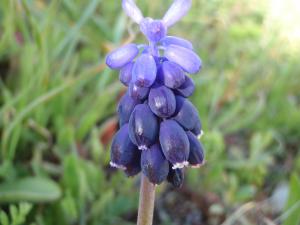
(146, 205)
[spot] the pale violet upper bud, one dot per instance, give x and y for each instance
(154, 30)
(121, 56)
(186, 58)
(171, 75)
(125, 74)
(178, 9)
(172, 40)
(132, 11)
(144, 70)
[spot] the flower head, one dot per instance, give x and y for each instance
(154, 30)
(159, 126)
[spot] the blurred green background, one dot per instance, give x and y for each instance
(58, 101)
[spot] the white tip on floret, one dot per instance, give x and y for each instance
(180, 165)
(112, 164)
(201, 134)
(142, 147)
(198, 165)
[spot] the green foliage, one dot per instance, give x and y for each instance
(293, 205)
(57, 98)
(17, 214)
(31, 189)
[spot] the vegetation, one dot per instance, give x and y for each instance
(57, 114)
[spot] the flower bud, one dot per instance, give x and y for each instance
(162, 101)
(126, 74)
(196, 156)
(143, 127)
(186, 58)
(132, 10)
(154, 164)
(177, 10)
(186, 114)
(197, 130)
(144, 71)
(187, 88)
(125, 108)
(174, 143)
(172, 40)
(138, 93)
(176, 177)
(134, 167)
(123, 151)
(171, 75)
(122, 56)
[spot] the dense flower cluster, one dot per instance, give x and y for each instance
(159, 126)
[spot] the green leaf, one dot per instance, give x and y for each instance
(32, 189)
(3, 218)
(13, 212)
(16, 214)
(293, 205)
(24, 208)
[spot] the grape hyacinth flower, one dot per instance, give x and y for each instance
(159, 127)
(155, 111)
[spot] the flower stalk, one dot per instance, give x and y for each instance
(146, 204)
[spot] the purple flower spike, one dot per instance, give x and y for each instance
(154, 114)
(154, 165)
(162, 101)
(171, 40)
(187, 59)
(144, 71)
(171, 75)
(176, 177)
(143, 127)
(174, 143)
(123, 151)
(121, 56)
(138, 93)
(132, 10)
(178, 9)
(125, 108)
(196, 157)
(154, 30)
(187, 88)
(125, 74)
